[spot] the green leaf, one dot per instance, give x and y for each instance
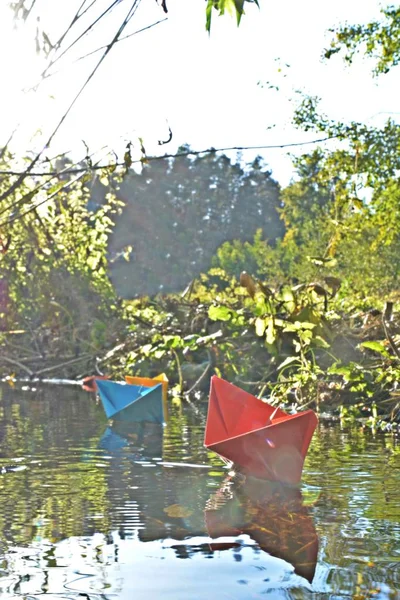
(210, 5)
(271, 333)
(299, 326)
(320, 342)
(357, 202)
(27, 197)
(230, 6)
(172, 341)
(377, 347)
(260, 325)
(288, 361)
(239, 9)
(289, 299)
(219, 313)
(306, 325)
(128, 156)
(350, 372)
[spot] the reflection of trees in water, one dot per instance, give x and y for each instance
(48, 484)
(357, 508)
(55, 480)
(175, 503)
(61, 484)
(56, 483)
(160, 502)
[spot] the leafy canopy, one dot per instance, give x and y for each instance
(379, 40)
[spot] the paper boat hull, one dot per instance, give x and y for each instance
(151, 382)
(275, 451)
(131, 403)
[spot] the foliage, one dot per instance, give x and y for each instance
(300, 303)
(54, 263)
(379, 40)
(257, 256)
(235, 7)
(296, 326)
(297, 344)
(363, 208)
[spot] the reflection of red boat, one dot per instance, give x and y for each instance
(273, 515)
(259, 439)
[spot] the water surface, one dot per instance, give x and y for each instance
(143, 512)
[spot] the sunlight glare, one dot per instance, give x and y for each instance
(21, 68)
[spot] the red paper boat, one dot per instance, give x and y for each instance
(261, 440)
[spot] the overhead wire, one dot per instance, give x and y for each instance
(33, 192)
(21, 175)
(80, 171)
(35, 206)
(47, 199)
(172, 155)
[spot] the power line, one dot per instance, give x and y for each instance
(32, 193)
(20, 215)
(165, 156)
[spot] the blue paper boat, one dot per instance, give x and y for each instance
(131, 403)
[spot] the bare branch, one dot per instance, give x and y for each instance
(20, 179)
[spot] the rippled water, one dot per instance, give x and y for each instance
(92, 511)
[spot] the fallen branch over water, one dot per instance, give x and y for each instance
(16, 363)
(36, 373)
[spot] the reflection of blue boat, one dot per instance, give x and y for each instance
(141, 440)
(112, 442)
(131, 403)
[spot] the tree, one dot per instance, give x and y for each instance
(53, 261)
(379, 40)
(177, 212)
(331, 231)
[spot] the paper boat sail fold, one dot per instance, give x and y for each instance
(262, 440)
(151, 382)
(134, 403)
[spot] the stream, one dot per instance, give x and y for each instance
(94, 510)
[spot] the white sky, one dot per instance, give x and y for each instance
(206, 87)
